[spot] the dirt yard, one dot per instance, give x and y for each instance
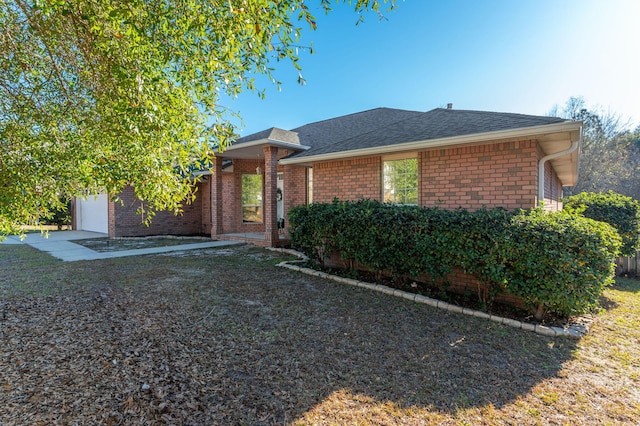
(225, 337)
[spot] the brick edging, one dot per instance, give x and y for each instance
(574, 331)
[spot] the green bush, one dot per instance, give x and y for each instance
(555, 262)
(59, 214)
(558, 261)
(312, 230)
(620, 211)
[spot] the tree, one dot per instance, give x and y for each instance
(630, 183)
(605, 157)
(99, 94)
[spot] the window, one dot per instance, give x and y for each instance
(251, 198)
(309, 185)
(400, 181)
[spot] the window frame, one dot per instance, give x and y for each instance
(397, 158)
(259, 197)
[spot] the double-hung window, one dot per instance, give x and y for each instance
(400, 181)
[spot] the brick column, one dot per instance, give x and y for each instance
(111, 218)
(216, 198)
(270, 203)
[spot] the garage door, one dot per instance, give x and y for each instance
(92, 213)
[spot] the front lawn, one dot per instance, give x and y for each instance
(223, 336)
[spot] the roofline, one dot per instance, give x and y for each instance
(440, 142)
(265, 141)
(352, 114)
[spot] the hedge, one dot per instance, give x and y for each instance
(556, 262)
(559, 261)
(618, 210)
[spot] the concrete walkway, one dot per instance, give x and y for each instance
(60, 244)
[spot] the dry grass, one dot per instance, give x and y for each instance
(225, 337)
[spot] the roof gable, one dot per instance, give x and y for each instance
(438, 123)
(274, 134)
(333, 130)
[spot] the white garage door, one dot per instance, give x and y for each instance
(92, 213)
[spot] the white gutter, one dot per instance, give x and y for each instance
(543, 161)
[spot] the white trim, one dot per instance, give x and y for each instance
(441, 142)
(541, 171)
(258, 142)
(399, 156)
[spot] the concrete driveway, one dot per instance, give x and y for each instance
(59, 244)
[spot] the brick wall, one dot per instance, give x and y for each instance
(229, 214)
(349, 179)
(502, 174)
(204, 193)
(111, 218)
(294, 193)
(295, 188)
(124, 222)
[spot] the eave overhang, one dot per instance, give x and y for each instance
(254, 149)
(552, 138)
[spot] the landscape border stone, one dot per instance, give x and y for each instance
(573, 331)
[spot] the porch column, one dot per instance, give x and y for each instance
(216, 198)
(111, 218)
(270, 203)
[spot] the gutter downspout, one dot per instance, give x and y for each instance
(543, 161)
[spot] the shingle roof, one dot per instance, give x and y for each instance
(333, 130)
(336, 130)
(435, 124)
(387, 126)
(273, 133)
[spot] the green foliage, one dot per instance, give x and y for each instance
(96, 95)
(311, 226)
(609, 155)
(60, 215)
(481, 235)
(620, 211)
(558, 262)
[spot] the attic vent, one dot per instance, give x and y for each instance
(449, 106)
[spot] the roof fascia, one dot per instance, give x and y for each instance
(438, 143)
(266, 141)
(289, 145)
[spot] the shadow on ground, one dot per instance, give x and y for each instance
(224, 337)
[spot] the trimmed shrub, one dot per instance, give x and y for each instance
(620, 211)
(312, 230)
(557, 262)
(480, 236)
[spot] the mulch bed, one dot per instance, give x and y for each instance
(466, 299)
(119, 244)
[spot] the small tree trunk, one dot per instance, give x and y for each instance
(539, 312)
